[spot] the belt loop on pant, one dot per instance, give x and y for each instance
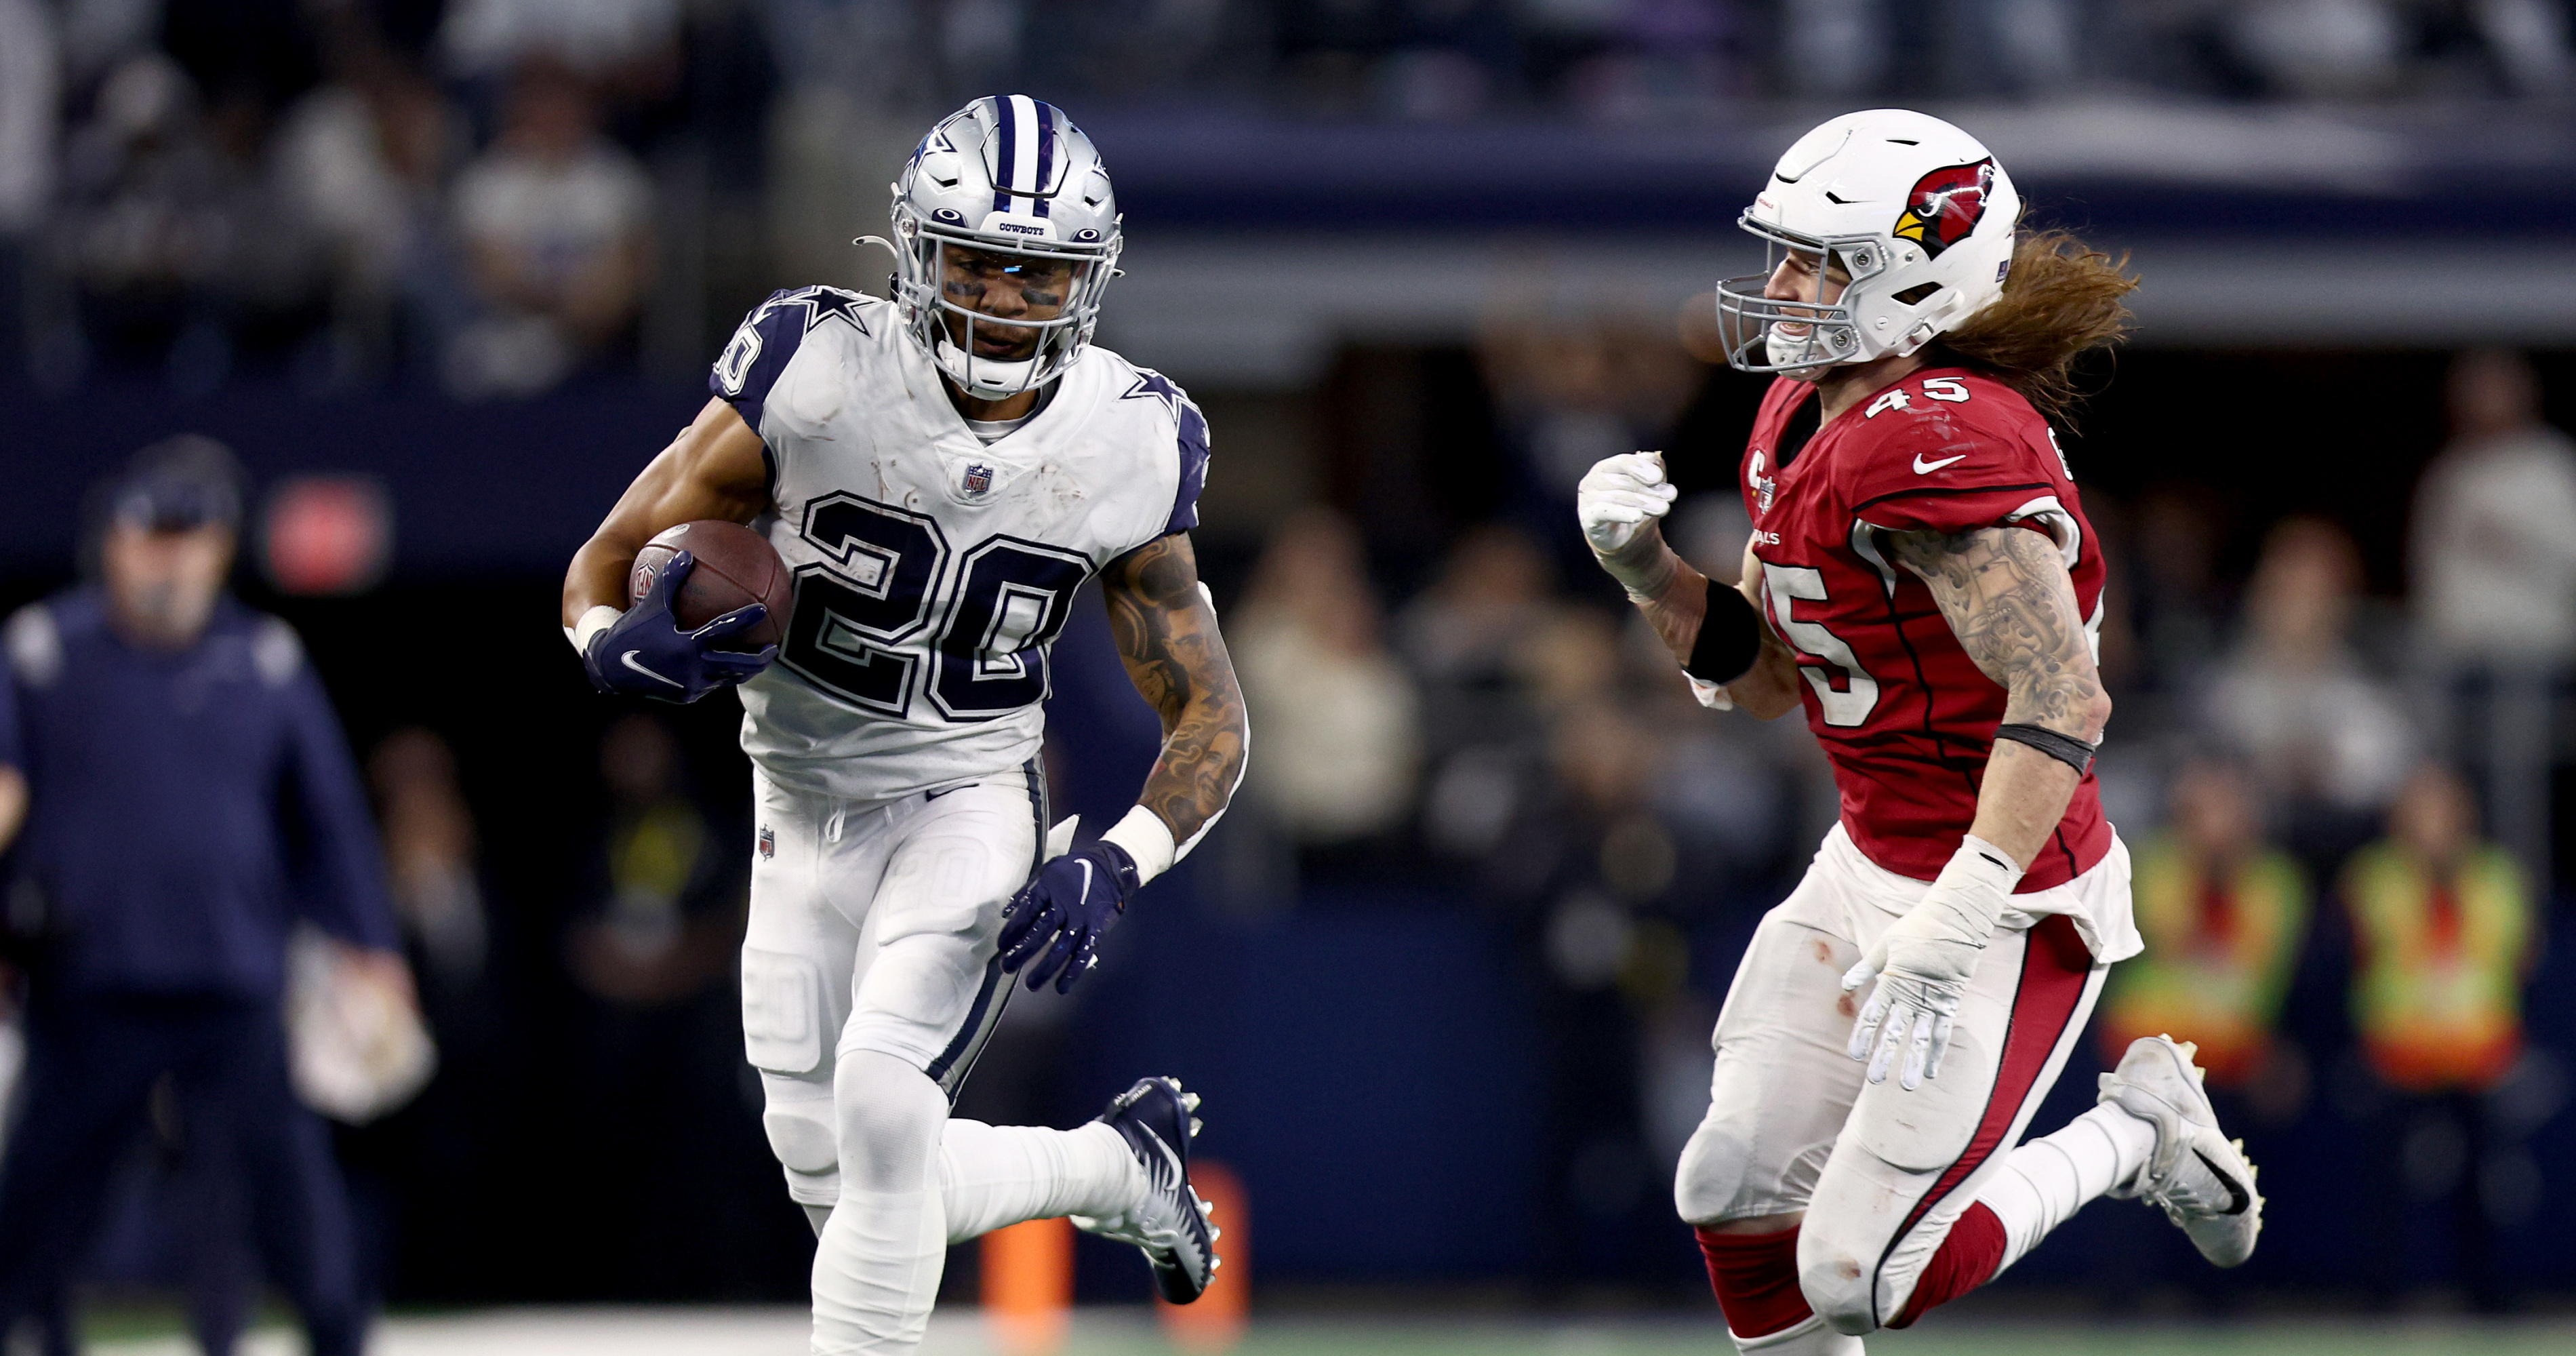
(832, 826)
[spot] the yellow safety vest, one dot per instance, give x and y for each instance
(2221, 947)
(2438, 993)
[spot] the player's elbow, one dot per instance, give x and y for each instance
(2069, 703)
(2096, 713)
(1765, 706)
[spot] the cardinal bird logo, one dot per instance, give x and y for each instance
(768, 843)
(1945, 205)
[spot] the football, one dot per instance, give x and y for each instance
(735, 568)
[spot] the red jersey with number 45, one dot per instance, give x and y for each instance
(1905, 716)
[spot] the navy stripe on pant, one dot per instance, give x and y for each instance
(92, 1062)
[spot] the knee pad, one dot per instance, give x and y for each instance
(801, 1135)
(1710, 1179)
(887, 1116)
(1840, 1284)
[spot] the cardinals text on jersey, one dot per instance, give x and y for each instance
(932, 570)
(1905, 716)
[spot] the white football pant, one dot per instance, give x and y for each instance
(870, 983)
(1882, 1173)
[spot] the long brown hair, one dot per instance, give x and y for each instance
(2061, 300)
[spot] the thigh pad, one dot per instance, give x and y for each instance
(783, 1012)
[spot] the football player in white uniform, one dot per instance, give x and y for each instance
(941, 472)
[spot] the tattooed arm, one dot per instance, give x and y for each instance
(1168, 636)
(2008, 598)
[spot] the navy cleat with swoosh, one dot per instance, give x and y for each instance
(2200, 1178)
(1170, 1226)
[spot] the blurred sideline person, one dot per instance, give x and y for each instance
(660, 1047)
(190, 797)
(2223, 913)
(943, 471)
(2325, 738)
(2445, 929)
(1341, 723)
(1922, 578)
(2494, 564)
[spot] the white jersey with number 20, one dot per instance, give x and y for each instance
(932, 571)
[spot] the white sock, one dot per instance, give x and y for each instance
(2046, 1180)
(1807, 1338)
(877, 1262)
(876, 1271)
(997, 1175)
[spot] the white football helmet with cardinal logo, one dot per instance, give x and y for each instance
(1914, 209)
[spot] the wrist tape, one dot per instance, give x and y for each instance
(1643, 567)
(1143, 837)
(599, 618)
(1974, 889)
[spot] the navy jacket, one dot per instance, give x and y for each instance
(184, 809)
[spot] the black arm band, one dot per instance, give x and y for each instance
(1730, 637)
(2067, 749)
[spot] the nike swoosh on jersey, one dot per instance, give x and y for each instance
(1925, 468)
(628, 659)
(2237, 1200)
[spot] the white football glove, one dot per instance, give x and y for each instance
(1923, 962)
(1617, 501)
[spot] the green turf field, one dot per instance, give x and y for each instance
(1129, 1332)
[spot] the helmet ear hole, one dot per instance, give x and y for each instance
(1917, 294)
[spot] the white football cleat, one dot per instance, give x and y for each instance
(2200, 1178)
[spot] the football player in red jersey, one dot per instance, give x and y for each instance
(1922, 579)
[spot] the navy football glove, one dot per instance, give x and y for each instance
(644, 653)
(1056, 919)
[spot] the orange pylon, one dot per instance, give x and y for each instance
(1028, 1286)
(1217, 1319)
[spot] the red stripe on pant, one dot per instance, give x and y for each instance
(2054, 968)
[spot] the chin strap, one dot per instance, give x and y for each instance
(954, 361)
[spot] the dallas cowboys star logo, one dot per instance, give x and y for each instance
(1154, 385)
(821, 302)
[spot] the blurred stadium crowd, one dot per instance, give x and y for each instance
(2339, 771)
(493, 195)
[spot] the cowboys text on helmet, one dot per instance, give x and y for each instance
(1915, 211)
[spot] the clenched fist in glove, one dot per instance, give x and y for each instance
(1923, 962)
(1619, 501)
(645, 652)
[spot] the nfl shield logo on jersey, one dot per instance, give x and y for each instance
(768, 843)
(979, 480)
